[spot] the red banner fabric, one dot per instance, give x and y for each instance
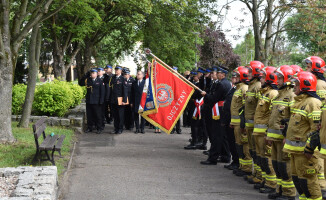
(172, 96)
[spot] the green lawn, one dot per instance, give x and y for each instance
(22, 152)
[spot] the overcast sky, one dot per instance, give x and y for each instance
(231, 26)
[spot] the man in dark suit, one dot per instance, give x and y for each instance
(218, 91)
(137, 91)
(119, 96)
(94, 100)
(107, 104)
(129, 117)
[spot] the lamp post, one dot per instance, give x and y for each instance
(196, 33)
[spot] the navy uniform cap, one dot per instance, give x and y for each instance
(118, 67)
(126, 71)
(208, 70)
(193, 73)
(100, 69)
(93, 70)
(108, 66)
(201, 70)
(223, 69)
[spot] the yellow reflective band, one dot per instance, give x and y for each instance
(270, 178)
(249, 125)
(275, 135)
(311, 171)
(323, 151)
(288, 184)
(247, 162)
(235, 120)
(263, 174)
(240, 161)
(315, 115)
(281, 103)
(294, 145)
(291, 103)
(321, 176)
(279, 181)
(302, 197)
(293, 148)
(319, 198)
(260, 130)
(301, 112)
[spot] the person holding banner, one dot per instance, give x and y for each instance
(214, 101)
(119, 98)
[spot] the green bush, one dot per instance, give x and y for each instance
(53, 98)
(78, 93)
(18, 98)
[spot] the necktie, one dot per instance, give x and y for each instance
(138, 83)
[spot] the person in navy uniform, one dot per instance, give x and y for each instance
(137, 91)
(94, 100)
(118, 97)
(129, 117)
(100, 74)
(177, 127)
(218, 91)
(107, 104)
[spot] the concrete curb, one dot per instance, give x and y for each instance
(62, 188)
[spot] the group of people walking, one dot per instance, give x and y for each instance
(270, 122)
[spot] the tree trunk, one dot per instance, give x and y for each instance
(80, 64)
(256, 27)
(34, 57)
(88, 56)
(6, 76)
(268, 37)
(59, 65)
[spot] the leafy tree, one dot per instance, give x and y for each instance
(216, 50)
(245, 49)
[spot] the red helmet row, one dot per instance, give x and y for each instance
(315, 63)
(242, 72)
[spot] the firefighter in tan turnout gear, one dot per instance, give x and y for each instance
(236, 109)
(262, 114)
(252, 97)
(276, 131)
(302, 137)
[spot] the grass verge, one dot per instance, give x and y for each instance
(22, 152)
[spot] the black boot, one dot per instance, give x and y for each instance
(259, 185)
(190, 147)
(88, 130)
(274, 195)
(266, 190)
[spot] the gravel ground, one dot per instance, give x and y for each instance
(7, 185)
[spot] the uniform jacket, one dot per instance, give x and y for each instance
(322, 133)
(304, 120)
(129, 83)
(238, 101)
(95, 90)
(263, 111)
(251, 100)
(226, 116)
(280, 110)
(106, 80)
(205, 83)
(137, 91)
(118, 89)
(321, 89)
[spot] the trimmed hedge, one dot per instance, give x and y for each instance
(18, 98)
(51, 99)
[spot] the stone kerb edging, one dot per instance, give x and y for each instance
(37, 183)
(74, 118)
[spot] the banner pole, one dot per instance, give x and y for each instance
(148, 51)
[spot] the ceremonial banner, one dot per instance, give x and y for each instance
(172, 96)
(148, 103)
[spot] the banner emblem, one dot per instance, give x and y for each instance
(164, 95)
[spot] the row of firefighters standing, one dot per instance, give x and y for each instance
(273, 120)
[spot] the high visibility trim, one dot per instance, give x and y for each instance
(235, 120)
(281, 103)
(250, 94)
(319, 198)
(246, 162)
(315, 115)
(263, 174)
(288, 184)
(302, 197)
(294, 145)
(279, 181)
(249, 125)
(273, 133)
(270, 177)
(301, 112)
(260, 130)
(323, 150)
(321, 176)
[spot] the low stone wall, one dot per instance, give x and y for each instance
(37, 183)
(75, 118)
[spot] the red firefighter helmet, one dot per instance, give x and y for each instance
(286, 71)
(271, 77)
(308, 81)
(256, 66)
(242, 72)
(316, 64)
(296, 68)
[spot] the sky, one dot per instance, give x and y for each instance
(231, 24)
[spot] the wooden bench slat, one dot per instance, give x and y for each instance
(59, 143)
(49, 145)
(39, 131)
(38, 123)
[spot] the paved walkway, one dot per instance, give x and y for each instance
(150, 166)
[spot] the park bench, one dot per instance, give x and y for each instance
(50, 143)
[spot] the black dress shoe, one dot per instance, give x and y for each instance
(201, 146)
(242, 173)
(88, 130)
(137, 131)
(99, 132)
(142, 131)
(120, 131)
(190, 147)
(206, 153)
(208, 162)
(259, 185)
(179, 131)
(223, 160)
(266, 190)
